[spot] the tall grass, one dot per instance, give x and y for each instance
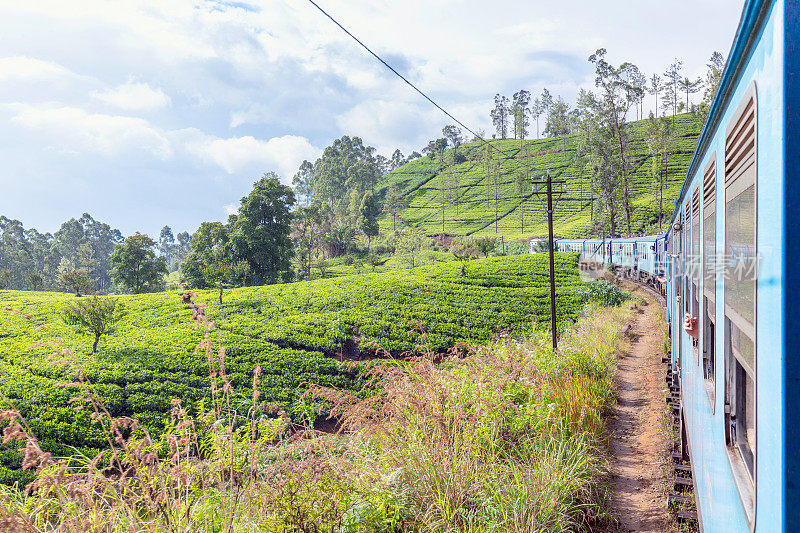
(507, 438)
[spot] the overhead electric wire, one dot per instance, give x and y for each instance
(387, 65)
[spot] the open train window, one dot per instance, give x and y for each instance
(740, 297)
(709, 277)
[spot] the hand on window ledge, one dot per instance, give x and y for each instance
(690, 326)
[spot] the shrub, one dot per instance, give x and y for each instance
(604, 293)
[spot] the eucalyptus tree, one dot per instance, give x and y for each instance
(656, 85)
(689, 87)
(499, 115)
(616, 97)
(520, 111)
(672, 78)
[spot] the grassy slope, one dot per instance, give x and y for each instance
(419, 183)
(289, 330)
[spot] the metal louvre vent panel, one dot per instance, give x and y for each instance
(740, 145)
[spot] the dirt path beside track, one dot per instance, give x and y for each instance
(636, 438)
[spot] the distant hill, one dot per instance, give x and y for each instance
(516, 214)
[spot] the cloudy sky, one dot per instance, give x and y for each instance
(154, 112)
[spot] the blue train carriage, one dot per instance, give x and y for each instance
(730, 265)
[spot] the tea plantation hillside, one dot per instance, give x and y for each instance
(293, 332)
(469, 196)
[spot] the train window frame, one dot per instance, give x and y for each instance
(709, 280)
(695, 265)
(738, 180)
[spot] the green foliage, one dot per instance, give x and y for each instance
(260, 233)
(409, 243)
(95, 315)
(369, 215)
(135, 267)
(224, 273)
(419, 183)
(35, 280)
(604, 292)
(294, 332)
(76, 280)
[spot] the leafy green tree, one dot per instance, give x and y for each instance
(225, 273)
(484, 245)
(211, 239)
(617, 95)
(77, 280)
(520, 112)
(672, 78)
(536, 112)
(303, 183)
(397, 159)
(5, 278)
(370, 210)
(260, 234)
(499, 115)
(307, 232)
(453, 134)
(689, 87)
(35, 280)
(135, 266)
(409, 243)
(558, 119)
(656, 85)
(660, 140)
(95, 315)
(339, 240)
(715, 66)
(393, 203)
(166, 246)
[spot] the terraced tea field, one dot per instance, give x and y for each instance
(517, 212)
(294, 332)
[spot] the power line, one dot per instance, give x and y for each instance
(387, 65)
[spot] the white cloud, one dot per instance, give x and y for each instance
(29, 68)
(239, 154)
(74, 129)
(134, 96)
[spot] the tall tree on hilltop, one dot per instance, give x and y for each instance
(345, 166)
(397, 160)
(519, 111)
(656, 84)
(260, 234)
(499, 115)
(303, 183)
(689, 87)
(616, 98)
(558, 119)
(672, 78)
(136, 268)
(536, 112)
(638, 82)
(453, 134)
(715, 66)
(166, 246)
(660, 139)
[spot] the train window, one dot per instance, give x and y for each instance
(740, 296)
(695, 263)
(709, 276)
(686, 257)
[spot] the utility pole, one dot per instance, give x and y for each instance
(545, 186)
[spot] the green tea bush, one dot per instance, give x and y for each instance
(604, 293)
